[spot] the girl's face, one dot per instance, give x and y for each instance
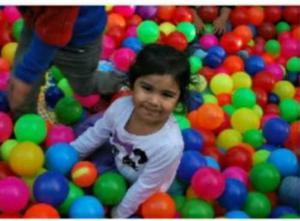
(155, 97)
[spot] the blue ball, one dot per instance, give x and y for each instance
(273, 98)
(268, 147)
(4, 107)
(234, 195)
(243, 54)
(236, 214)
(217, 50)
(254, 64)
(105, 66)
(211, 162)
(194, 100)
(279, 211)
(190, 162)
(51, 187)
(61, 157)
(213, 60)
(52, 96)
(289, 192)
(133, 43)
(285, 161)
(253, 30)
(276, 131)
(193, 140)
(86, 207)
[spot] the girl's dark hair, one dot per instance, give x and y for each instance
(162, 60)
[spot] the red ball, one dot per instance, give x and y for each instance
(261, 96)
(224, 99)
(117, 33)
(238, 156)
(264, 80)
(177, 40)
(291, 14)
(41, 210)
(266, 30)
(238, 16)
(165, 12)
(255, 15)
(208, 13)
(212, 151)
(207, 72)
(84, 173)
(272, 13)
(231, 42)
(182, 13)
(233, 63)
(134, 20)
(271, 109)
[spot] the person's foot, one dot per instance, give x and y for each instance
(110, 82)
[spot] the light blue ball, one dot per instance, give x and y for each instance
(236, 214)
(86, 207)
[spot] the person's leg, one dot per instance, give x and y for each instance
(30, 103)
(79, 65)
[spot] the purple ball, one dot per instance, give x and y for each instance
(146, 12)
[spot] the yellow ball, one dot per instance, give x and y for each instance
(284, 89)
(167, 28)
(241, 80)
(258, 110)
(209, 98)
(260, 156)
(8, 51)
(244, 119)
(221, 83)
(26, 159)
(229, 138)
(108, 8)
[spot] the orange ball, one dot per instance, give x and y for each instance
(114, 19)
(255, 15)
(41, 210)
(84, 173)
(233, 63)
(296, 32)
(159, 205)
(244, 32)
(209, 116)
(165, 12)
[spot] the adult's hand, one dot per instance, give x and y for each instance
(18, 90)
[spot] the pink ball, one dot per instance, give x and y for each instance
(88, 101)
(59, 133)
(276, 70)
(208, 40)
(123, 58)
(236, 173)
(14, 195)
(126, 11)
(284, 36)
(6, 126)
(11, 13)
(108, 47)
(4, 76)
(289, 48)
(208, 183)
(131, 31)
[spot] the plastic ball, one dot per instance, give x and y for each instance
(52, 95)
(117, 34)
(289, 109)
(291, 14)
(257, 205)
(41, 210)
(108, 47)
(289, 192)
(254, 137)
(282, 26)
(290, 48)
(59, 133)
(133, 43)
(61, 157)
(212, 60)
(167, 27)
(284, 89)
(236, 214)
(265, 177)
(208, 13)
(244, 119)
(74, 193)
(241, 80)
(110, 188)
(84, 173)
(191, 161)
(234, 195)
(159, 205)
(8, 51)
(6, 148)
(244, 32)
(65, 87)
(237, 173)
(14, 195)
(125, 11)
(177, 40)
(181, 14)
(146, 12)
(267, 30)
(233, 63)
(243, 97)
(115, 19)
(238, 16)
(51, 188)
(276, 70)
(4, 77)
(229, 138)
(254, 64)
(188, 29)
(123, 58)
(280, 211)
(68, 110)
(260, 156)
(264, 80)
(231, 42)
(272, 13)
(293, 64)
(86, 207)
(208, 40)
(192, 139)
(209, 116)
(196, 208)
(131, 30)
(6, 126)
(26, 159)
(148, 31)
(255, 15)
(11, 13)
(221, 83)
(276, 131)
(285, 161)
(211, 162)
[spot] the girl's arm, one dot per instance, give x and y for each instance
(156, 177)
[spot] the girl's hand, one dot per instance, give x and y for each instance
(219, 25)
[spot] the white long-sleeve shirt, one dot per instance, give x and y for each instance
(149, 161)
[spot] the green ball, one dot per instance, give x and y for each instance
(265, 177)
(293, 64)
(243, 97)
(110, 188)
(272, 47)
(196, 208)
(68, 110)
(17, 28)
(56, 73)
(289, 109)
(179, 202)
(254, 137)
(64, 85)
(229, 109)
(179, 109)
(257, 205)
(148, 32)
(74, 193)
(188, 29)
(260, 156)
(30, 127)
(6, 148)
(195, 64)
(208, 29)
(182, 121)
(282, 26)
(290, 216)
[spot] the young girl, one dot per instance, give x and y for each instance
(147, 142)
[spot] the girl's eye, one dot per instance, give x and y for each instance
(146, 88)
(168, 95)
